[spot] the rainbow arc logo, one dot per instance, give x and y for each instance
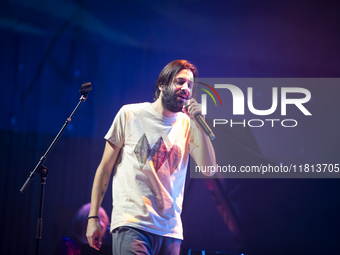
(204, 96)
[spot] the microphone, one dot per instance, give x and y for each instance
(198, 117)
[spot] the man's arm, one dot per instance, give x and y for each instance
(100, 184)
(203, 153)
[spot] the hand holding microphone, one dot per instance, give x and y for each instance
(195, 111)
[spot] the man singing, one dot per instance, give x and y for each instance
(149, 145)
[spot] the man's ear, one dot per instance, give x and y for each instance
(161, 87)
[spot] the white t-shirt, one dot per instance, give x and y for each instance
(150, 171)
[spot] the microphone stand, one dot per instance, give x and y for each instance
(42, 170)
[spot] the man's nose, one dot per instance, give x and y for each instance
(185, 89)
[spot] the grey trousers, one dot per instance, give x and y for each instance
(128, 241)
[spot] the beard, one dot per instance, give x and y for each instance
(171, 102)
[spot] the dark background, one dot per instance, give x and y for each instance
(49, 48)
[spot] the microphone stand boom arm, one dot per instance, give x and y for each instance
(84, 90)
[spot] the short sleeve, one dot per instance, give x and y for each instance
(116, 133)
(193, 135)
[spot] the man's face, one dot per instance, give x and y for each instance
(179, 91)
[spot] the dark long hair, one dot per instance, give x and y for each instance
(170, 71)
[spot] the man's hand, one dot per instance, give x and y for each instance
(94, 233)
(192, 108)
